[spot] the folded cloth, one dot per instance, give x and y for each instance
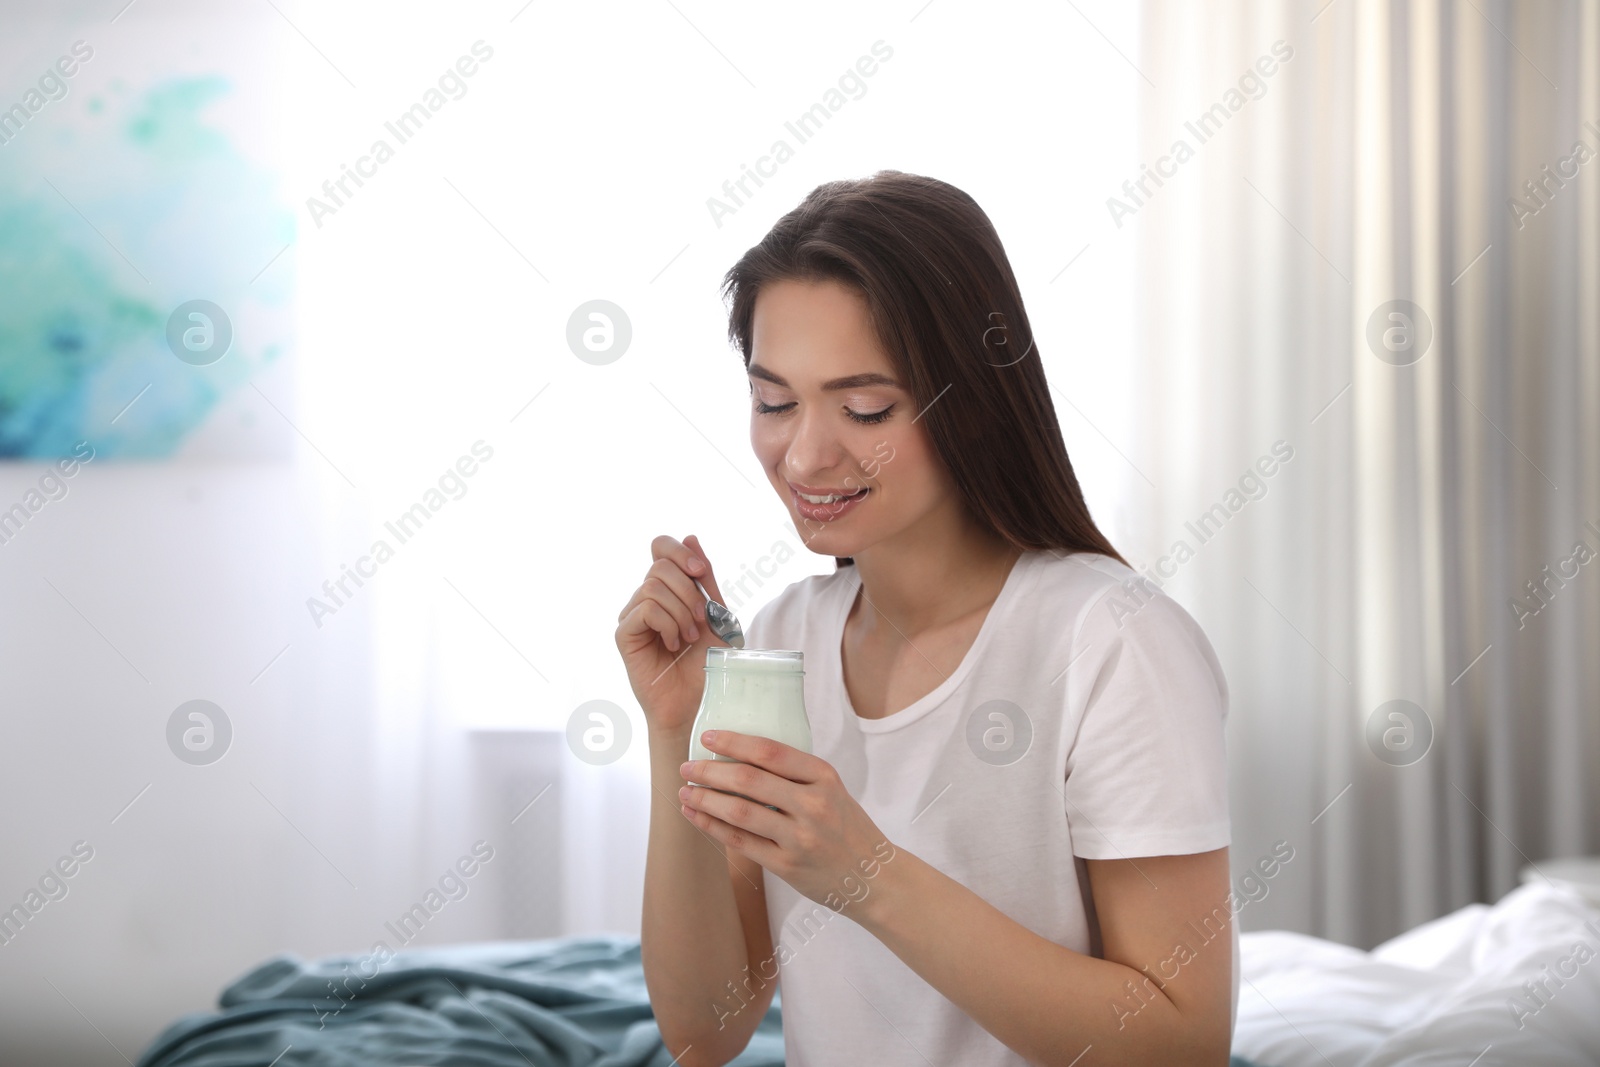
(565, 1002)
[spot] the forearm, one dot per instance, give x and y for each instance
(1041, 999)
(691, 942)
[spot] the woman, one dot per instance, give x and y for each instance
(1010, 843)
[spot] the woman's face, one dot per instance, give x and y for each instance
(829, 420)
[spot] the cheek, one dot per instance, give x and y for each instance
(767, 440)
(903, 458)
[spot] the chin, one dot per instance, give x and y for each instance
(828, 542)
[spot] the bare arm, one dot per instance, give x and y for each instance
(760, 981)
(1146, 1002)
(704, 938)
(706, 949)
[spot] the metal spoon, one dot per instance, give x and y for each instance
(723, 622)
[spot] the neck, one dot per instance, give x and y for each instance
(933, 573)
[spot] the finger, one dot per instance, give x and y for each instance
(633, 602)
(639, 593)
(745, 812)
(759, 785)
(687, 557)
(663, 594)
(648, 615)
(691, 563)
(782, 761)
(700, 567)
(671, 575)
(664, 547)
(669, 600)
(761, 849)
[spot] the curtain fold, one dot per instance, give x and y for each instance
(1385, 255)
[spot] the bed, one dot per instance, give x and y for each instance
(1438, 994)
(1513, 983)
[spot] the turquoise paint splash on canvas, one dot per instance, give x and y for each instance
(115, 209)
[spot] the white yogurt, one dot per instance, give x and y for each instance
(753, 691)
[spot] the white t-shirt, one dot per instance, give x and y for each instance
(1108, 744)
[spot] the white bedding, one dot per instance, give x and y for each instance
(1451, 991)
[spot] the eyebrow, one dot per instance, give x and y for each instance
(854, 381)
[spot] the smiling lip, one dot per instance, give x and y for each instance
(811, 490)
(828, 512)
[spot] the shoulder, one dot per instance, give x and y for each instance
(1079, 590)
(1106, 610)
(1073, 581)
(1094, 592)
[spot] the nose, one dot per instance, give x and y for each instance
(813, 449)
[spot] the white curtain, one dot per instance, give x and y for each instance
(1434, 535)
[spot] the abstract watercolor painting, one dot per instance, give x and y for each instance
(120, 204)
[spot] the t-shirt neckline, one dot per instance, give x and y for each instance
(932, 699)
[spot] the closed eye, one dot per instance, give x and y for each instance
(868, 418)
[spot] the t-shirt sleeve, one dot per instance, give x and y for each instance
(1146, 772)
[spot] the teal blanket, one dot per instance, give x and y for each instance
(568, 1002)
(565, 1002)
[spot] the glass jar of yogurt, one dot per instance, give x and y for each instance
(752, 691)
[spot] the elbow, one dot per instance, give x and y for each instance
(707, 1048)
(1199, 1047)
(1189, 1045)
(696, 1056)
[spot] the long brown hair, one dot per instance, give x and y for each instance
(946, 308)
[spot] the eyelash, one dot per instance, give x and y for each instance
(867, 419)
